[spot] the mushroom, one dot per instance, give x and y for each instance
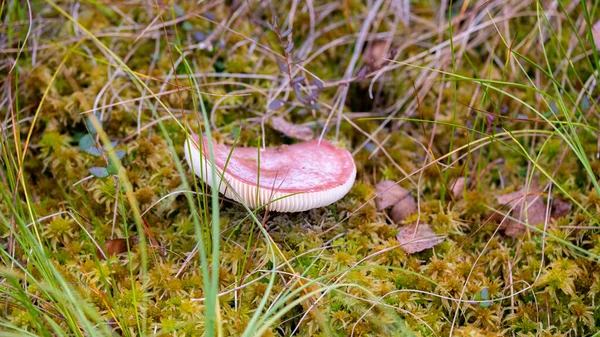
(291, 178)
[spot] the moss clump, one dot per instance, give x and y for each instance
(479, 125)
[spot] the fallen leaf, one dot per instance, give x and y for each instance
(403, 209)
(527, 206)
(374, 54)
(560, 208)
(417, 237)
(292, 130)
(458, 187)
(596, 34)
(389, 194)
(118, 246)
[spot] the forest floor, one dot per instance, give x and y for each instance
(473, 126)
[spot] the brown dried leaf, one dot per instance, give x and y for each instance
(527, 206)
(457, 187)
(118, 246)
(417, 237)
(560, 208)
(389, 194)
(403, 209)
(292, 130)
(374, 54)
(596, 34)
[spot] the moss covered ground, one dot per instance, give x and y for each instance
(105, 231)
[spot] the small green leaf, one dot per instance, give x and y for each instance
(87, 145)
(86, 142)
(485, 294)
(187, 26)
(120, 154)
(94, 151)
(179, 11)
(485, 304)
(553, 107)
(219, 66)
(585, 103)
(112, 168)
(99, 172)
(78, 135)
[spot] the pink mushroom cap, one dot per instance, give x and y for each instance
(291, 178)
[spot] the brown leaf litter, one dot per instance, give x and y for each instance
(118, 246)
(596, 34)
(417, 237)
(458, 187)
(560, 208)
(412, 238)
(301, 132)
(375, 53)
(528, 207)
(390, 194)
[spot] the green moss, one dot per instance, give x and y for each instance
(558, 286)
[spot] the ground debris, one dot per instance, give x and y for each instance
(527, 206)
(560, 208)
(417, 237)
(457, 187)
(118, 246)
(403, 209)
(374, 54)
(596, 34)
(391, 194)
(301, 132)
(388, 194)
